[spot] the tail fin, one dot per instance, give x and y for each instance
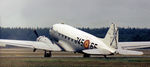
(111, 37)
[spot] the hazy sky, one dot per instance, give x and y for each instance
(78, 13)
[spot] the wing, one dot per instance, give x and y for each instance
(134, 45)
(96, 51)
(31, 44)
(122, 51)
(2, 45)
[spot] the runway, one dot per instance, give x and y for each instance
(26, 52)
(24, 57)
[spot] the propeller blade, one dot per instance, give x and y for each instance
(34, 49)
(36, 33)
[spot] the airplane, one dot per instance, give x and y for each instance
(67, 38)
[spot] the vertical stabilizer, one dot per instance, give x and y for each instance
(111, 37)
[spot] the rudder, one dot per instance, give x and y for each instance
(111, 37)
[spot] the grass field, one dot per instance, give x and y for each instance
(74, 62)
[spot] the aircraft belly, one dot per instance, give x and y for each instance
(66, 45)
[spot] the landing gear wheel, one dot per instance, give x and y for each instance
(105, 56)
(86, 55)
(47, 54)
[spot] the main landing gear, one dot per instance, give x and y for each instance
(86, 55)
(47, 53)
(105, 56)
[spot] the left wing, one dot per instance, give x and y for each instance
(134, 45)
(31, 44)
(2, 45)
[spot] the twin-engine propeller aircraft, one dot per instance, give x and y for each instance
(68, 38)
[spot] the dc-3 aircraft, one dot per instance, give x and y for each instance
(68, 38)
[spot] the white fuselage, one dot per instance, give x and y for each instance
(72, 39)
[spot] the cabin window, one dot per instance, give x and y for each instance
(68, 38)
(65, 37)
(71, 39)
(62, 35)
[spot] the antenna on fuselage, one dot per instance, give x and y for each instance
(35, 32)
(60, 20)
(62, 23)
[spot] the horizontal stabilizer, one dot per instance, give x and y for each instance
(129, 52)
(134, 45)
(122, 51)
(96, 51)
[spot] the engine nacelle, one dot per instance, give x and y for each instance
(43, 39)
(48, 44)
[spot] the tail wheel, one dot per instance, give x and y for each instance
(47, 54)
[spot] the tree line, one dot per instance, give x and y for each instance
(125, 34)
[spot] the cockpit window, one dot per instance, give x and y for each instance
(51, 28)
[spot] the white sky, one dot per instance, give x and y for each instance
(78, 13)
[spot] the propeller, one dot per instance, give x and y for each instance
(34, 49)
(36, 33)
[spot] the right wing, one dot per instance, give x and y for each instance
(31, 44)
